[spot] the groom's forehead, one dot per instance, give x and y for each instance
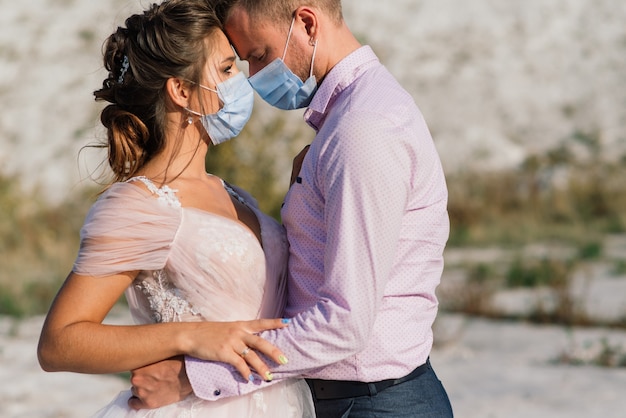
(262, 42)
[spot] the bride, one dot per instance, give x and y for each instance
(198, 262)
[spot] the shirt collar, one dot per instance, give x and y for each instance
(342, 75)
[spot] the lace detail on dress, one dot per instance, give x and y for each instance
(166, 301)
(164, 194)
(259, 401)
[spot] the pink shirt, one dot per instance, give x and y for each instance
(367, 225)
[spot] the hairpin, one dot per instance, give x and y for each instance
(124, 70)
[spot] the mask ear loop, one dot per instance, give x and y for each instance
(193, 112)
(288, 37)
(313, 57)
(314, 43)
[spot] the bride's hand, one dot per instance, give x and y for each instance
(236, 343)
(166, 382)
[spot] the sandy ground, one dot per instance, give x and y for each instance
(497, 369)
(491, 369)
(27, 391)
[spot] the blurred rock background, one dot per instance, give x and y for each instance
(496, 80)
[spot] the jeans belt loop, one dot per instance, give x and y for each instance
(372, 389)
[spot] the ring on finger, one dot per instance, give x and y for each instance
(245, 352)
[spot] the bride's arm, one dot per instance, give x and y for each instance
(74, 338)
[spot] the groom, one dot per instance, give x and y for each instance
(366, 220)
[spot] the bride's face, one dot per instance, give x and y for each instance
(219, 67)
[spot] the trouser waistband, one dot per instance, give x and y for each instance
(340, 389)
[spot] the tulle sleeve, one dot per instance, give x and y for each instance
(127, 229)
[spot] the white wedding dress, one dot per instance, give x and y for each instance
(195, 266)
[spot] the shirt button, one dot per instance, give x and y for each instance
(217, 392)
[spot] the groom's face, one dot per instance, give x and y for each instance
(257, 42)
(260, 41)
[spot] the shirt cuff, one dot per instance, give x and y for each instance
(212, 381)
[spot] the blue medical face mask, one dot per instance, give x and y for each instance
(238, 98)
(280, 87)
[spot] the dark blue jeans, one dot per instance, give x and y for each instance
(423, 397)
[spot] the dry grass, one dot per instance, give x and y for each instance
(560, 195)
(38, 244)
(569, 198)
(553, 198)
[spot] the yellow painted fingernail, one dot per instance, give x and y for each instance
(282, 359)
(269, 376)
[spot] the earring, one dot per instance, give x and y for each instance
(312, 41)
(190, 120)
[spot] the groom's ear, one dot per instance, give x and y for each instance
(309, 17)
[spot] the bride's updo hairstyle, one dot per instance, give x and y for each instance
(167, 40)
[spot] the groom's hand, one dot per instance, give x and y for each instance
(159, 384)
(297, 165)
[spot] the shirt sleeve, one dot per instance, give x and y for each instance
(127, 229)
(364, 174)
